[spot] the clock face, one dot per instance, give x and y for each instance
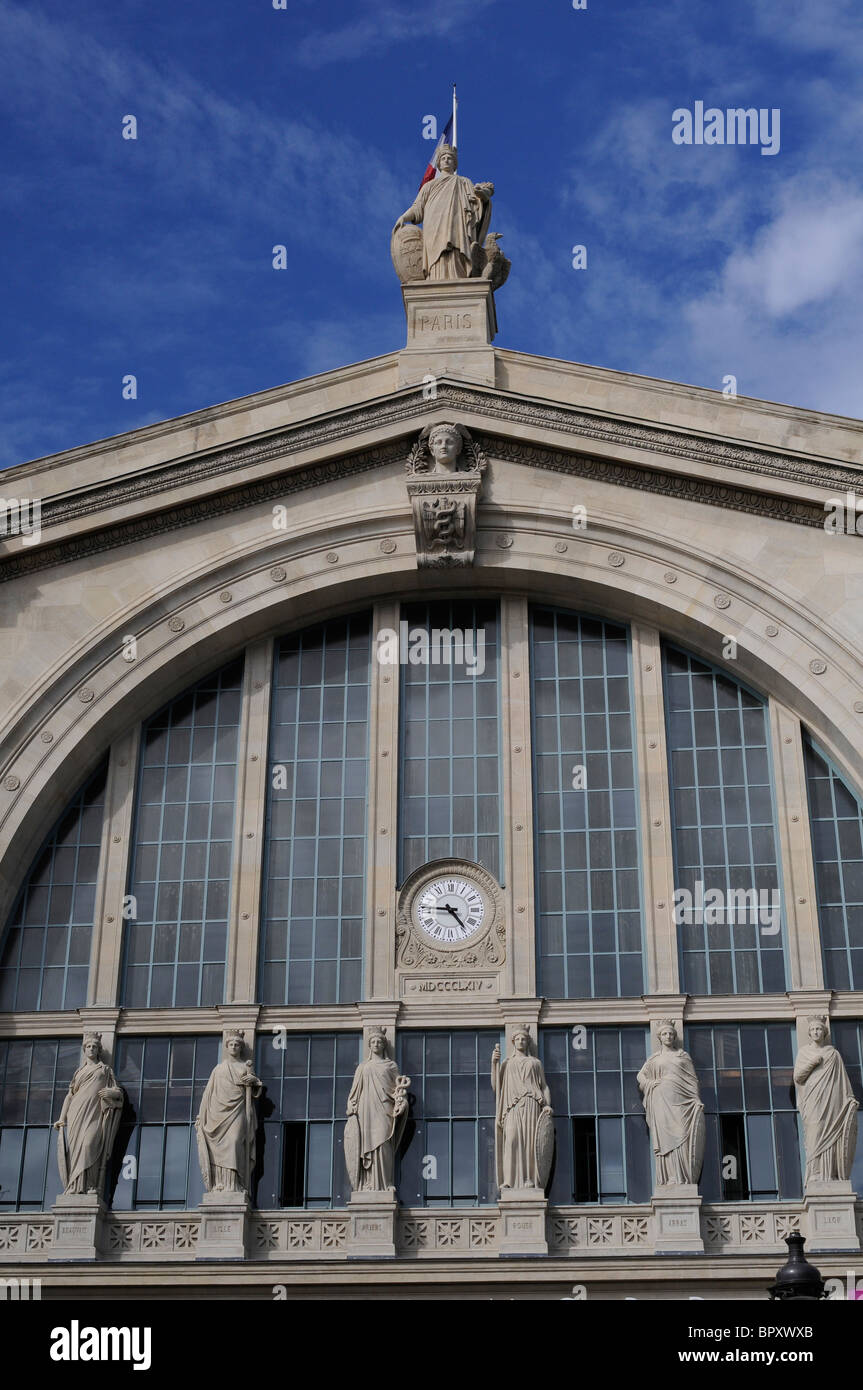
(450, 910)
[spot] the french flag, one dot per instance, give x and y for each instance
(447, 138)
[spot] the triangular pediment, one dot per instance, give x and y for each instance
(628, 431)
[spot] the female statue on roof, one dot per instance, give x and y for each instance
(455, 214)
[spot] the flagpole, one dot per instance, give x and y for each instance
(454, 119)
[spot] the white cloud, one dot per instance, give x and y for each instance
(808, 253)
(382, 26)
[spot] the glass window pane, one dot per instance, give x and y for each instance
(725, 853)
(450, 795)
(174, 947)
(836, 820)
(582, 709)
(315, 836)
(50, 925)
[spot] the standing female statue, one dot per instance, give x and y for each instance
(226, 1121)
(455, 214)
(827, 1107)
(524, 1130)
(675, 1114)
(88, 1122)
(377, 1111)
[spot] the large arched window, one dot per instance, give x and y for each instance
(836, 817)
(449, 803)
(585, 807)
(175, 943)
(46, 950)
(314, 876)
(723, 820)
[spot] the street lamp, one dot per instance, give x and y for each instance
(797, 1279)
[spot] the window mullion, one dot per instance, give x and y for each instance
(654, 812)
(114, 862)
(519, 976)
(796, 862)
(382, 840)
(244, 912)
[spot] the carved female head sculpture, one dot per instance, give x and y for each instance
(445, 445)
(667, 1032)
(818, 1029)
(234, 1043)
(378, 1042)
(446, 159)
(92, 1046)
(521, 1040)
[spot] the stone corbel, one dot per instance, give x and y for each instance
(445, 471)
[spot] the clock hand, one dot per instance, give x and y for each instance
(453, 912)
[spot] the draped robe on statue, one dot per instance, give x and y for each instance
(226, 1135)
(673, 1108)
(453, 217)
(827, 1106)
(92, 1120)
(521, 1096)
(373, 1095)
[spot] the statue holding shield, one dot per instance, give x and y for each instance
(524, 1127)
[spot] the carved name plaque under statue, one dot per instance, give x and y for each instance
(450, 933)
(445, 470)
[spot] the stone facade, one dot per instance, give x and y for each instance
(704, 520)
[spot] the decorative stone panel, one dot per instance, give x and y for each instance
(734, 1228)
(300, 1235)
(599, 1230)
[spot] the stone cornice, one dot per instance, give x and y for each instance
(406, 408)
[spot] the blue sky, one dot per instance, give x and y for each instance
(302, 126)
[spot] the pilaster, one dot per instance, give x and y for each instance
(253, 772)
(519, 975)
(800, 915)
(114, 860)
(654, 807)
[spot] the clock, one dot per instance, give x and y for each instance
(449, 916)
(449, 910)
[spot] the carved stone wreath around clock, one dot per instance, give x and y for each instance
(450, 916)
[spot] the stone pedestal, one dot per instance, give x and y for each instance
(451, 326)
(223, 1233)
(677, 1220)
(829, 1209)
(78, 1226)
(372, 1225)
(522, 1222)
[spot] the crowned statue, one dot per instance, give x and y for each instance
(88, 1122)
(827, 1106)
(377, 1111)
(454, 243)
(226, 1121)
